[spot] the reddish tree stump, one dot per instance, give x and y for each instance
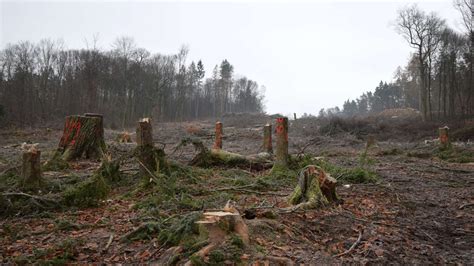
(83, 136)
(267, 138)
(281, 130)
(218, 142)
(444, 141)
(31, 169)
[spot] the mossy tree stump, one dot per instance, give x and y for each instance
(444, 141)
(315, 188)
(151, 159)
(267, 138)
(31, 178)
(83, 136)
(281, 155)
(218, 141)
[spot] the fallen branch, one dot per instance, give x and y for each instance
(7, 194)
(466, 205)
(109, 242)
(352, 247)
(243, 189)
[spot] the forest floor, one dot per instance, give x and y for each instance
(419, 210)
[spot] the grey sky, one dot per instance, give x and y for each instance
(309, 55)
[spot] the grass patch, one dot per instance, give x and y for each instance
(455, 155)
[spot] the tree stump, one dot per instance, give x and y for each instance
(444, 141)
(281, 130)
(31, 178)
(315, 188)
(83, 136)
(218, 225)
(218, 142)
(151, 159)
(145, 147)
(267, 138)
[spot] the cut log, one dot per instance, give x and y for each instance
(83, 136)
(444, 137)
(315, 188)
(267, 138)
(218, 141)
(31, 178)
(281, 130)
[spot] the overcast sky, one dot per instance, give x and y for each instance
(309, 55)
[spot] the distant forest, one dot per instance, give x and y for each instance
(44, 82)
(438, 79)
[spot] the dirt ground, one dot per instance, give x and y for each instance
(420, 211)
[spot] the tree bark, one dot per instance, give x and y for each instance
(83, 136)
(267, 138)
(31, 170)
(218, 141)
(315, 188)
(145, 148)
(281, 130)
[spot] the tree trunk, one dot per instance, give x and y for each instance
(31, 170)
(281, 130)
(267, 138)
(218, 142)
(83, 136)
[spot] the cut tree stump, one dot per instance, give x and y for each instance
(444, 137)
(267, 138)
(218, 225)
(31, 178)
(83, 136)
(218, 142)
(315, 188)
(152, 160)
(281, 130)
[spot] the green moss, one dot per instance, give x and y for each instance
(350, 175)
(57, 163)
(216, 257)
(87, 193)
(313, 197)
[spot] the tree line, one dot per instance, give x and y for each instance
(438, 78)
(44, 81)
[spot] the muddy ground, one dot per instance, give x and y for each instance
(419, 211)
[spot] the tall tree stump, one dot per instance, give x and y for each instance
(281, 130)
(218, 141)
(31, 178)
(145, 147)
(267, 138)
(83, 136)
(315, 188)
(444, 141)
(151, 159)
